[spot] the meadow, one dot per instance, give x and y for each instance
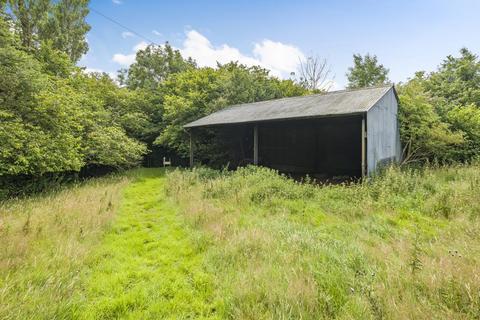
(245, 244)
(404, 245)
(45, 242)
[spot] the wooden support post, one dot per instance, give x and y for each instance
(364, 144)
(255, 144)
(191, 149)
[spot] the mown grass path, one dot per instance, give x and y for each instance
(146, 267)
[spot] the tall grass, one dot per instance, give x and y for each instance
(405, 244)
(45, 240)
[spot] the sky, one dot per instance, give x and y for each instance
(407, 36)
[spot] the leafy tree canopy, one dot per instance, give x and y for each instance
(153, 65)
(424, 135)
(54, 118)
(31, 20)
(457, 80)
(366, 72)
(67, 28)
(439, 112)
(62, 23)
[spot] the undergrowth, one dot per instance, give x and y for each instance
(404, 244)
(45, 242)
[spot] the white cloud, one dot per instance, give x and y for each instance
(140, 46)
(124, 59)
(117, 1)
(95, 70)
(157, 33)
(199, 48)
(128, 59)
(278, 57)
(127, 34)
(92, 70)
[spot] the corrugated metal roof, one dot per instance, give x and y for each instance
(318, 105)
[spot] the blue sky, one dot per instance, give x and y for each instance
(407, 36)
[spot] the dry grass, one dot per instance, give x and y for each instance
(405, 245)
(44, 242)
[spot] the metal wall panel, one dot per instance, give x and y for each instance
(383, 136)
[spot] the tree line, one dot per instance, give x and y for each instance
(56, 119)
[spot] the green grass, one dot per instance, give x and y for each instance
(45, 242)
(249, 244)
(404, 245)
(146, 267)
(111, 248)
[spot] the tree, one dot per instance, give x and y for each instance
(31, 19)
(466, 119)
(135, 110)
(104, 140)
(457, 80)
(138, 106)
(55, 120)
(6, 37)
(424, 135)
(67, 28)
(62, 23)
(51, 124)
(454, 92)
(38, 124)
(366, 72)
(314, 73)
(153, 65)
(54, 62)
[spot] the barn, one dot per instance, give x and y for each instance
(341, 133)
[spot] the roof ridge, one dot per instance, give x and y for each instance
(360, 89)
(237, 105)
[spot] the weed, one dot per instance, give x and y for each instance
(45, 240)
(284, 249)
(415, 260)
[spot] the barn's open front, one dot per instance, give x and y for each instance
(328, 146)
(344, 133)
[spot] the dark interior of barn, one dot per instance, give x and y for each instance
(323, 148)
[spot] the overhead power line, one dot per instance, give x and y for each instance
(138, 34)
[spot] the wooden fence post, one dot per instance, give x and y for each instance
(255, 144)
(191, 148)
(364, 151)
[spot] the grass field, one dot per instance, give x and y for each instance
(249, 244)
(45, 243)
(403, 246)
